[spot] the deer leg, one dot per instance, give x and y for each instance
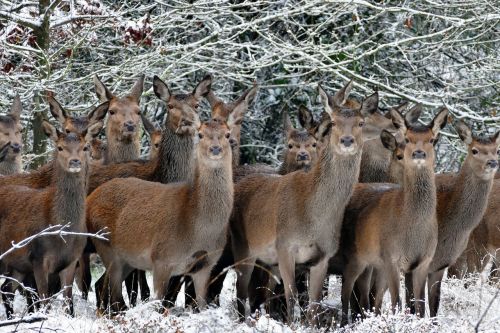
(393, 279)
(200, 281)
(317, 276)
(143, 284)
(286, 265)
(409, 296)
(352, 271)
(67, 277)
(162, 274)
(419, 276)
(132, 286)
(434, 289)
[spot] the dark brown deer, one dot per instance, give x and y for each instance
(462, 203)
(413, 237)
(295, 219)
(63, 203)
(11, 131)
(182, 226)
(122, 126)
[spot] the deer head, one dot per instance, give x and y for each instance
(124, 112)
(182, 115)
(11, 130)
(419, 140)
(483, 151)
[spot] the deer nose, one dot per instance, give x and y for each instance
(130, 126)
(16, 147)
(216, 150)
(493, 164)
(75, 163)
(419, 154)
(347, 141)
(303, 156)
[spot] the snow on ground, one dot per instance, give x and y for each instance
(464, 302)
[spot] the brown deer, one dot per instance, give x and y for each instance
(273, 223)
(11, 131)
(122, 126)
(154, 131)
(233, 113)
(182, 226)
(63, 203)
(462, 203)
(413, 237)
(175, 160)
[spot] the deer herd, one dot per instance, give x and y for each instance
(356, 195)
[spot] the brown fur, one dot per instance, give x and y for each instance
(413, 238)
(60, 204)
(295, 219)
(122, 126)
(173, 219)
(11, 132)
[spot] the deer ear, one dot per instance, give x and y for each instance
(3, 151)
(325, 100)
(148, 125)
(464, 132)
(52, 132)
(101, 90)
(241, 105)
(98, 113)
(398, 121)
(56, 109)
(341, 96)
(439, 121)
(370, 105)
(16, 109)
(287, 123)
(161, 89)
(203, 87)
(94, 130)
(388, 140)
(136, 91)
(411, 117)
(306, 119)
(324, 127)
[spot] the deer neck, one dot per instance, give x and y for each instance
(419, 194)
(469, 199)
(175, 158)
(69, 199)
(213, 192)
(11, 166)
(118, 151)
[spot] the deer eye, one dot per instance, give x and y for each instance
(361, 124)
(290, 146)
(228, 135)
(200, 135)
(474, 151)
(59, 148)
(314, 145)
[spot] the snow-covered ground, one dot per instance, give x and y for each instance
(464, 303)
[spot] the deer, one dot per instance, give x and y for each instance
(154, 131)
(462, 203)
(11, 132)
(394, 214)
(183, 224)
(289, 229)
(175, 161)
(122, 126)
(62, 203)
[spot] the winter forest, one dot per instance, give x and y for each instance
(417, 81)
